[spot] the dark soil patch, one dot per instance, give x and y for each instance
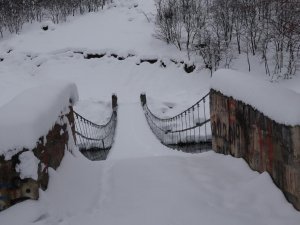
(189, 68)
(45, 28)
(114, 55)
(162, 64)
(78, 52)
(94, 56)
(151, 61)
(174, 61)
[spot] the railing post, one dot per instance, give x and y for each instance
(114, 102)
(71, 118)
(143, 99)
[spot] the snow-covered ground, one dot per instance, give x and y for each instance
(205, 188)
(142, 182)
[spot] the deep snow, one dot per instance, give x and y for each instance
(32, 113)
(206, 188)
(275, 101)
(142, 182)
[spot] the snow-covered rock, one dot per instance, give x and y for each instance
(47, 25)
(276, 102)
(32, 114)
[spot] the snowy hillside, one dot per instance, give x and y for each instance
(142, 182)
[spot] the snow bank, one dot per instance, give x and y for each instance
(31, 115)
(280, 104)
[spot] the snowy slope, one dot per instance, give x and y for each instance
(142, 182)
(115, 28)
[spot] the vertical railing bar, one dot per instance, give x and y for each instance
(194, 130)
(205, 120)
(199, 121)
(182, 128)
(186, 133)
(190, 126)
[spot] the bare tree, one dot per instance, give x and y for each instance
(169, 26)
(14, 13)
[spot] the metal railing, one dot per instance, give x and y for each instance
(95, 141)
(189, 131)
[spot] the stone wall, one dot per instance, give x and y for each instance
(241, 131)
(49, 150)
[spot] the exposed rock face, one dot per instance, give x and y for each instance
(49, 150)
(241, 131)
(189, 68)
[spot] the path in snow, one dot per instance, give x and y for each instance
(208, 188)
(133, 136)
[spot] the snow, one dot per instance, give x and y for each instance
(115, 28)
(276, 102)
(206, 188)
(28, 166)
(142, 181)
(32, 114)
(48, 25)
(134, 139)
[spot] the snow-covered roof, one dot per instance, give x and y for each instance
(32, 114)
(279, 104)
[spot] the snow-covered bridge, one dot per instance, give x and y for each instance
(142, 181)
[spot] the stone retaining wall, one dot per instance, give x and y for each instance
(49, 151)
(241, 131)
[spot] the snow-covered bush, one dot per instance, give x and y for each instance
(14, 13)
(220, 30)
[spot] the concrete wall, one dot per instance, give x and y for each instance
(13, 189)
(241, 131)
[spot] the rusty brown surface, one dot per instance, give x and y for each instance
(241, 131)
(50, 152)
